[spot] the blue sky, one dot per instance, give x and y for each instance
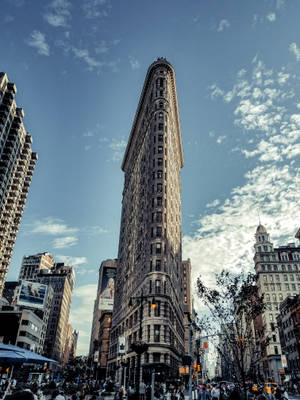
(79, 67)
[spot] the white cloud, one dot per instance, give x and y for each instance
(271, 135)
(70, 260)
(91, 61)
(221, 139)
(95, 8)
(271, 17)
(87, 147)
(295, 50)
(52, 226)
(95, 230)
(104, 46)
(82, 314)
(59, 13)
(134, 62)
(224, 23)
(38, 40)
(118, 148)
(63, 242)
(216, 91)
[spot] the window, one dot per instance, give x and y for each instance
(159, 162)
(269, 268)
(158, 248)
(265, 248)
(159, 201)
(156, 356)
(280, 297)
(265, 278)
(271, 317)
(160, 126)
(287, 286)
(263, 268)
(285, 277)
(292, 277)
(271, 278)
(156, 335)
(274, 297)
(148, 332)
(157, 309)
(158, 231)
(289, 268)
(158, 265)
(276, 349)
(158, 216)
(277, 277)
(157, 288)
(159, 187)
(160, 138)
(159, 174)
(267, 297)
(283, 268)
(160, 149)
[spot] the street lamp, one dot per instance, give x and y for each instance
(139, 347)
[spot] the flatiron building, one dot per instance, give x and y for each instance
(149, 255)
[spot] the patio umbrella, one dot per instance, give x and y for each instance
(15, 354)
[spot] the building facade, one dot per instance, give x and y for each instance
(32, 265)
(104, 299)
(22, 328)
(17, 163)
(278, 277)
(149, 255)
(61, 278)
(288, 322)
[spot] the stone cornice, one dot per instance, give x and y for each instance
(153, 67)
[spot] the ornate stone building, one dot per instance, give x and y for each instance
(17, 163)
(278, 277)
(149, 257)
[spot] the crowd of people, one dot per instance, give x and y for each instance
(94, 390)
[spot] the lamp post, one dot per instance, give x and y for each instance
(139, 347)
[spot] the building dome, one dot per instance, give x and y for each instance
(261, 229)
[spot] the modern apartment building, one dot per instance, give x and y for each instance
(149, 257)
(32, 265)
(278, 277)
(104, 299)
(17, 163)
(61, 278)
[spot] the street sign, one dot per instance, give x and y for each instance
(122, 344)
(96, 356)
(283, 361)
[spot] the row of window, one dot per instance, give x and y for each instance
(287, 286)
(279, 268)
(286, 277)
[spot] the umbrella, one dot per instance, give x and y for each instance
(15, 354)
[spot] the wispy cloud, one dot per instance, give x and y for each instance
(64, 242)
(223, 24)
(96, 8)
(82, 314)
(59, 13)
(221, 139)
(70, 260)
(92, 62)
(295, 50)
(95, 230)
(117, 147)
(7, 19)
(271, 17)
(38, 40)
(52, 226)
(134, 63)
(104, 46)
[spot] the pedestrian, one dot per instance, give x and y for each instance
(142, 390)
(215, 393)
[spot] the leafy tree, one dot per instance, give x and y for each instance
(234, 317)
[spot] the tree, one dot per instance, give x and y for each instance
(234, 317)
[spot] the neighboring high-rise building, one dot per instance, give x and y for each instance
(288, 322)
(187, 301)
(17, 163)
(36, 299)
(278, 277)
(61, 278)
(103, 343)
(149, 255)
(104, 299)
(32, 265)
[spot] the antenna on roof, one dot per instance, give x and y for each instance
(258, 216)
